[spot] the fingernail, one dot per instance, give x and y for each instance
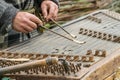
(40, 24)
(45, 17)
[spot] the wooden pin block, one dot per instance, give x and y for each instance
(104, 36)
(83, 59)
(104, 53)
(76, 58)
(100, 53)
(68, 58)
(89, 52)
(90, 32)
(91, 59)
(100, 35)
(96, 53)
(86, 65)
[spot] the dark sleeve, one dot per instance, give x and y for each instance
(40, 1)
(7, 13)
(56, 1)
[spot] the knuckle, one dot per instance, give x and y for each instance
(24, 20)
(26, 14)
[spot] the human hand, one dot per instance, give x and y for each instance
(49, 9)
(25, 22)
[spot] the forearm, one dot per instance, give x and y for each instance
(7, 13)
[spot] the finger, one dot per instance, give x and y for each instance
(27, 28)
(31, 24)
(20, 29)
(51, 12)
(44, 11)
(35, 19)
(23, 31)
(55, 13)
